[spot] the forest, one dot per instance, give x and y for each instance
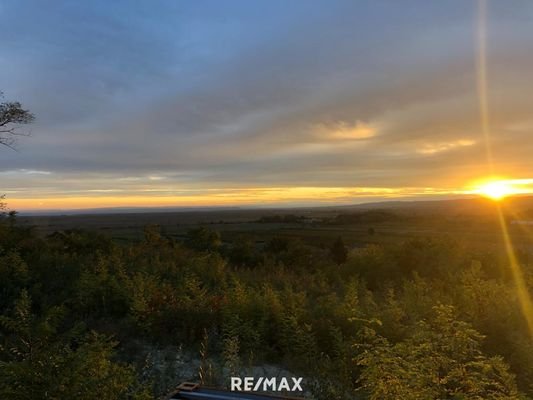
(420, 318)
(335, 193)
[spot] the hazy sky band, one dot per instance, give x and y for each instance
(156, 100)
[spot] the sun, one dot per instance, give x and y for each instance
(497, 190)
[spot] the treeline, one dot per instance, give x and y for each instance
(367, 216)
(426, 319)
(285, 219)
(343, 218)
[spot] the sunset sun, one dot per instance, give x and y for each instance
(497, 190)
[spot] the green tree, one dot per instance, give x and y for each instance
(243, 252)
(339, 252)
(203, 239)
(441, 360)
(36, 361)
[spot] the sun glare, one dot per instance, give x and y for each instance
(499, 189)
(496, 190)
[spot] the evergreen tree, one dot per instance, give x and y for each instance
(441, 360)
(339, 252)
(37, 362)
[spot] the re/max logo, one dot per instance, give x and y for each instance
(249, 383)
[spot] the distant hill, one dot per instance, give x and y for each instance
(473, 205)
(521, 205)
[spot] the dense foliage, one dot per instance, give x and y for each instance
(424, 319)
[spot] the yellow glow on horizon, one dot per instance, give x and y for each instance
(498, 189)
(167, 196)
(217, 197)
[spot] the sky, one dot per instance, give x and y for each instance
(263, 103)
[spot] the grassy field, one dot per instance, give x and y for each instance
(471, 222)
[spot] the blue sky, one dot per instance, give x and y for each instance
(216, 102)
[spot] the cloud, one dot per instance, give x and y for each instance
(186, 96)
(433, 148)
(344, 131)
(25, 172)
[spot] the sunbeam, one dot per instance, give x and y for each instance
(516, 272)
(498, 189)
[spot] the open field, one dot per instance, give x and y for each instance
(473, 222)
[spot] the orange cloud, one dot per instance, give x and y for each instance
(433, 148)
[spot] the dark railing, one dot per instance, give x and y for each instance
(193, 391)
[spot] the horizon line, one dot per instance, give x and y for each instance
(243, 207)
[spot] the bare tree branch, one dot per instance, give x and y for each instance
(12, 115)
